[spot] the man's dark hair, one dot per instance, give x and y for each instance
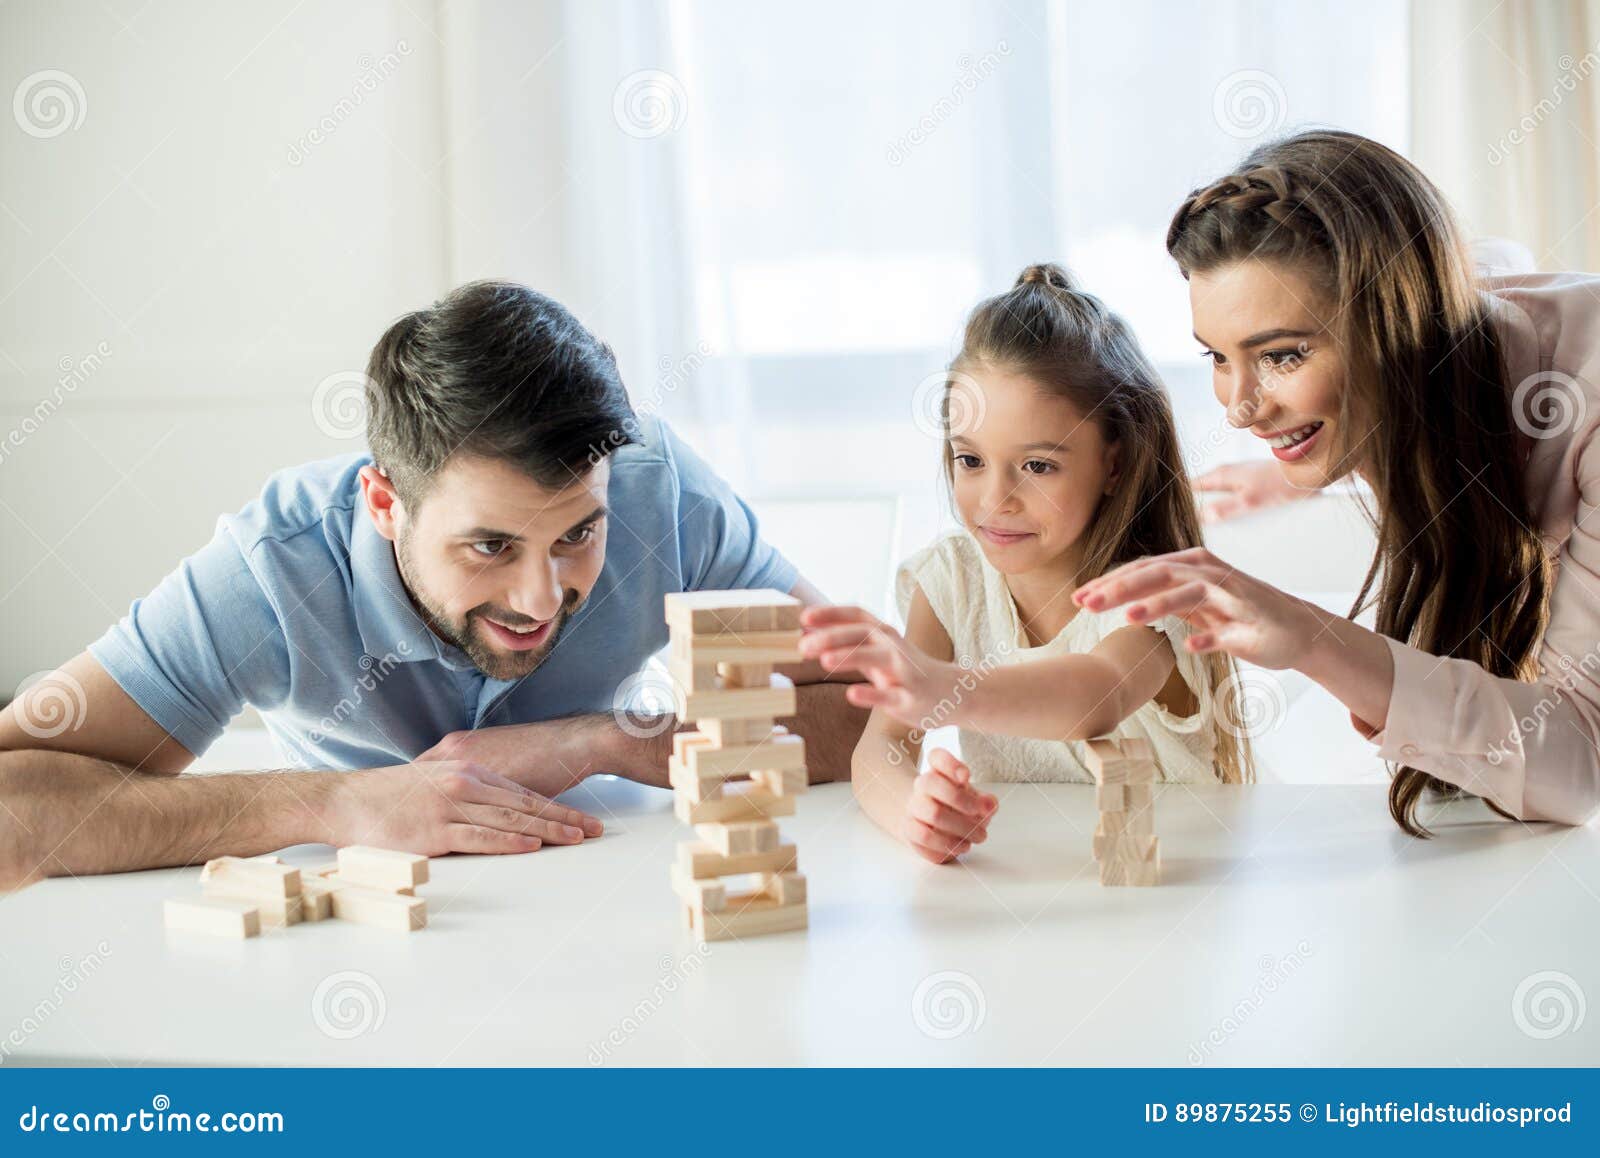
(497, 370)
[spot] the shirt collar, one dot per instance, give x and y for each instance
(385, 617)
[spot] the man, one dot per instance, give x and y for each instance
(448, 621)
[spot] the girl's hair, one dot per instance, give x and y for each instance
(1459, 571)
(1073, 347)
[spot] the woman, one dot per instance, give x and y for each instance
(1335, 299)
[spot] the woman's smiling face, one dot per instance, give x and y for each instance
(1276, 365)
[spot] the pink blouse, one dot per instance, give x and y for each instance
(1531, 748)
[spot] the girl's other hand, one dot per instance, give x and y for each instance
(945, 815)
(905, 682)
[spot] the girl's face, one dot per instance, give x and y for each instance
(1276, 365)
(1029, 469)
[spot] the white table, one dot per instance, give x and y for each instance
(1294, 925)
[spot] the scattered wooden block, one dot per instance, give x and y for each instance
(339, 880)
(382, 868)
(739, 837)
(379, 909)
(275, 912)
(244, 877)
(316, 899)
(700, 860)
(215, 916)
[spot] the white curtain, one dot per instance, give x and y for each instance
(1505, 105)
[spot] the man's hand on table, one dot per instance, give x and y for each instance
(435, 807)
(551, 756)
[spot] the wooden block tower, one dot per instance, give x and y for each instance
(1125, 844)
(724, 644)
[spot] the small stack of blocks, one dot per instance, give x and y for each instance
(369, 886)
(1125, 844)
(724, 645)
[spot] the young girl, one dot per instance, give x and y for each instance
(1063, 462)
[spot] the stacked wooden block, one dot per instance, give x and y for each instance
(1125, 844)
(369, 886)
(739, 771)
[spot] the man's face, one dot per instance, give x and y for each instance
(496, 563)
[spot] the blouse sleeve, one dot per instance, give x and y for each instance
(1531, 748)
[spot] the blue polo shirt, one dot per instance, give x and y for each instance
(296, 608)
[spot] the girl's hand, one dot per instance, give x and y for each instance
(945, 815)
(1228, 610)
(903, 681)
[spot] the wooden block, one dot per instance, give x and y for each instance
(710, 895)
(777, 699)
(382, 868)
(683, 741)
(722, 612)
(215, 916)
(779, 752)
(785, 888)
(743, 801)
(749, 647)
(339, 880)
(1124, 797)
(781, 781)
(729, 733)
(1115, 846)
(693, 676)
(745, 675)
(379, 909)
(252, 878)
(1121, 761)
(275, 912)
(316, 899)
(738, 837)
(1114, 824)
(753, 918)
(1131, 872)
(701, 860)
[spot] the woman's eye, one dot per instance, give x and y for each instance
(1213, 357)
(968, 461)
(490, 548)
(1282, 359)
(1036, 466)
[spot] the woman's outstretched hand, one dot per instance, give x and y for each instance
(1228, 610)
(1242, 487)
(902, 680)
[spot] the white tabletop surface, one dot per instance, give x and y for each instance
(1294, 925)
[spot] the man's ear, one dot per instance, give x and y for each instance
(383, 502)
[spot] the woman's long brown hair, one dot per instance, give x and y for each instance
(1072, 346)
(1459, 571)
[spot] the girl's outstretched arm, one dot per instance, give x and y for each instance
(938, 814)
(1069, 697)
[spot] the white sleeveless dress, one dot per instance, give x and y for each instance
(971, 600)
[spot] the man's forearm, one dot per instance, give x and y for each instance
(65, 814)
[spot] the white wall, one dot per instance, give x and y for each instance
(206, 261)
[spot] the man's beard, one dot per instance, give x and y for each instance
(494, 664)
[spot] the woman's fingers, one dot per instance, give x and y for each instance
(1183, 600)
(965, 800)
(531, 802)
(895, 701)
(813, 643)
(950, 821)
(944, 762)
